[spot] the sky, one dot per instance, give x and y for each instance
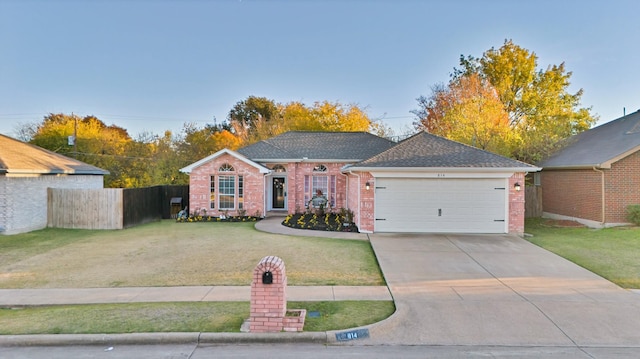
(153, 65)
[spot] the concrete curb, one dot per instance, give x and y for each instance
(161, 338)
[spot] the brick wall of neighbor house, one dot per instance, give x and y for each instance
(295, 178)
(24, 201)
(200, 186)
(516, 204)
(573, 193)
(622, 188)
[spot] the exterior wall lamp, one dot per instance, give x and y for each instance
(367, 186)
(517, 187)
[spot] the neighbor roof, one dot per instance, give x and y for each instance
(299, 145)
(17, 157)
(425, 150)
(600, 146)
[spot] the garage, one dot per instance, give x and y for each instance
(430, 184)
(439, 205)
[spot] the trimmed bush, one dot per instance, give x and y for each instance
(633, 214)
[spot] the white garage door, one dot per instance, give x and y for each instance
(440, 205)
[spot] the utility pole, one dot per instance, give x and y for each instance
(75, 136)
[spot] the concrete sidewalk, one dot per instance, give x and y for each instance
(57, 296)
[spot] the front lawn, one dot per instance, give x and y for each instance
(177, 317)
(613, 253)
(167, 253)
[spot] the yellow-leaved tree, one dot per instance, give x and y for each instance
(540, 111)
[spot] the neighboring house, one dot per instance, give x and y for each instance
(26, 171)
(596, 175)
(423, 184)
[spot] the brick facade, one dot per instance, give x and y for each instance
(200, 186)
(23, 199)
(367, 204)
(296, 173)
(578, 193)
(516, 204)
(350, 190)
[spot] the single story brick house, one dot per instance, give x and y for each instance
(26, 171)
(425, 183)
(596, 175)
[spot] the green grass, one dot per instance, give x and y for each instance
(177, 317)
(613, 253)
(167, 253)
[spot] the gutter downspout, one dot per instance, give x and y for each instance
(604, 207)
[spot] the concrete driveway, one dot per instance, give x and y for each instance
(497, 290)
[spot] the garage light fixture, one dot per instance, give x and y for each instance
(517, 187)
(367, 186)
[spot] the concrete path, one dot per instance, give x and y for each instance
(17, 297)
(497, 290)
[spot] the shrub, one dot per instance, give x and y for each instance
(633, 214)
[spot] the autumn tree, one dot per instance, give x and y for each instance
(256, 119)
(95, 143)
(247, 116)
(540, 109)
(469, 110)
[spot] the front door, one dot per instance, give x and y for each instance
(278, 193)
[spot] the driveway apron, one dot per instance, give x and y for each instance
(497, 290)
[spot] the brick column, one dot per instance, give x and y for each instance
(268, 300)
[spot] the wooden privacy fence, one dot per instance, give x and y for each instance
(111, 208)
(85, 208)
(533, 201)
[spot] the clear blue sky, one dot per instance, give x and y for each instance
(149, 65)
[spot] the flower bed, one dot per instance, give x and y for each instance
(324, 222)
(217, 219)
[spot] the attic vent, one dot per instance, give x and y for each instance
(635, 129)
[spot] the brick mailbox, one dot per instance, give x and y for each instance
(268, 299)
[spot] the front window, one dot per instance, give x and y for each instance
(227, 192)
(320, 185)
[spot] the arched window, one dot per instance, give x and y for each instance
(320, 168)
(226, 168)
(279, 169)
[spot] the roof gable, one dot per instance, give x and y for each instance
(425, 150)
(298, 145)
(18, 157)
(212, 157)
(600, 146)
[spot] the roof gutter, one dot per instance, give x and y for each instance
(606, 165)
(442, 169)
(604, 207)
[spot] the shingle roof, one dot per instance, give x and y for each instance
(347, 146)
(599, 146)
(425, 150)
(24, 158)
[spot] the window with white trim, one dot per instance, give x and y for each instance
(320, 184)
(226, 192)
